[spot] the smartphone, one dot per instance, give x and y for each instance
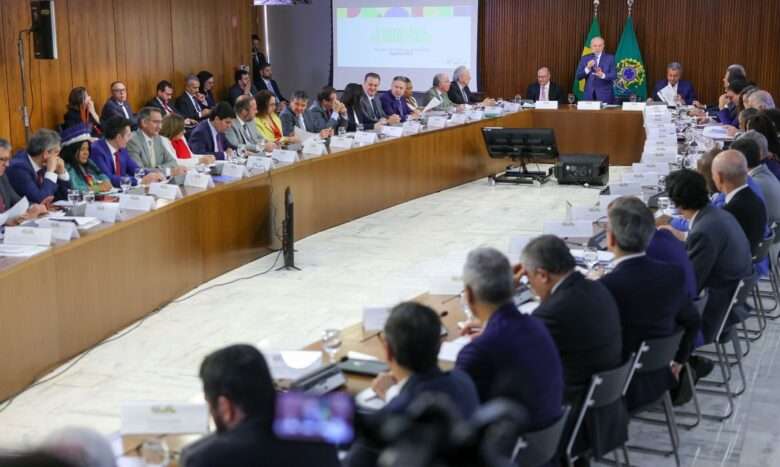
(328, 418)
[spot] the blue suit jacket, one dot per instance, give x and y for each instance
(597, 89)
(393, 106)
(102, 157)
(684, 89)
(664, 246)
(113, 108)
(202, 141)
(517, 350)
(24, 181)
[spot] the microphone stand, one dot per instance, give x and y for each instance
(25, 111)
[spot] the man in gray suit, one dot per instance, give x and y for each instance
(370, 103)
(295, 115)
(327, 114)
(146, 146)
(243, 132)
(753, 145)
(440, 91)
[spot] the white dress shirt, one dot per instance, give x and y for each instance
(214, 136)
(51, 176)
(544, 92)
(113, 151)
(617, 261)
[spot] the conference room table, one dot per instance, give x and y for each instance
(69, 298)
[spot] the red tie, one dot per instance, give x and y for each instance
(39, 176)
(2, 204)
(117, 165)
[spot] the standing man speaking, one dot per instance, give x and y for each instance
(598, 71)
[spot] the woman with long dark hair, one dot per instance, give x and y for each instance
(84, 174)
(207, 87)
(81, 111)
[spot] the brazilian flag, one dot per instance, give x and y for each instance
(631, 75)
(595, 31)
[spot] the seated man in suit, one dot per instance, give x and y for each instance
(544, 89)
(599, 72)
(242, 399)
(38, 172)
(393, 103)
(580, 314)
(716, 244)
(294, 116)
(243, 86)
(760, 100)
(439, 90)
(370, 105)
(268, 83)
(8, 197)
(117, 105)
(753, 146)
(327, 114)
(110, 153)
(460, 93)
(208, 138)
(512, 346)
(163, 99)
(412, 338)
(682, 90)
(192, 104)
(146, 146)
(243, 132)
(651, 296)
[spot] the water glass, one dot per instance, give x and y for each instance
(572, 98)
(331, 343)
(517, 99)
(139, 175)
(360, 127)
(125, 183)
(88, 196)
(74, 196)
(342, 131)
(591, 258)
(155, 453)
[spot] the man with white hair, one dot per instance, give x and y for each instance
(682, 89)
(439, 90)
(460, 93)
(760, 100)
(599, 72)
(80, 446)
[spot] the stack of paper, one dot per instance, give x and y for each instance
(449, 350)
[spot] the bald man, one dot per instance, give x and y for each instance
(730, 175)
(599, 72)
(544, 89)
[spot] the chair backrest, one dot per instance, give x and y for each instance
(725, 318)
(658, 353)
(762, 249)
(700, 302)
(540, 447)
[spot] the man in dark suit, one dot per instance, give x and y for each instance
(511, 347)
(163, 98)
(544, 89)
(412, 338)
(192, 104)
(117, 105)
(371, 106)
(393, 102)
(241, 397)
(110, 153)
(327, 114)
(716, 244)
(295, 115)
(258, 59)
(8, 196)
(208, 138)
(243, 86)
(460, 93)
(599, 72)
(38, 172)
(268, 83)
(681, 89)
(651, 297)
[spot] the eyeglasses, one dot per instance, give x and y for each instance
(119, 90)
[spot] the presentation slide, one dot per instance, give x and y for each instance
(414, 38)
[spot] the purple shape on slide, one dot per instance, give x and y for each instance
(353, 12)
(461, 10)
(397, 12)
(417, 11)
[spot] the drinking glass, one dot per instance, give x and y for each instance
(518, 98)
(591, 258)
(74, 196)
(88, 196)
(572, 98)
(331, 343)
(139, 175)
(633, 97)
(342, 131)
(125, 183)
(155, 453)
(360, 127)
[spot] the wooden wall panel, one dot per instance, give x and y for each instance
(518, 36)
(5, 107)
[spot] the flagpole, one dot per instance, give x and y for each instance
(630, 6)
(596, 4)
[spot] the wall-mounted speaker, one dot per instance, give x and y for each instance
(44, 29)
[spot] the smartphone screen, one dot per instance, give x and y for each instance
(327, 418)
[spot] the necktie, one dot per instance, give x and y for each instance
(197, 106)
(465, 96)
(124, 110)
(152, 154)
(168, 110)
(247, 134)
(39, 176)
(2, 203)
(301, 122)
(374, 109)
(543, 97)
(117, 165)
(220, 148)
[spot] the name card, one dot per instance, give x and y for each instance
(165, 191)
(448, 352)
(642, 178)
(233, 170)
(174, 418)
(374, 318)
(588, 213)
(546, 105)
(106, 212)
(284, 156)
(314, 147)
(196, 180)
(589, 105)
(136, 203)
(437, 122)
(61, 231)
(341, 143)
(28, 236)
(457, 119)
(573, 229)
(625, 189)
(475, 115)
(659, 158)
(363, 138)
(634, 106)
(412, 127)
(491, 112)
(393, 131)
(660, 169)
(260, 163)
(512, 107)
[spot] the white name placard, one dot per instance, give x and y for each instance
(136, 203)
(511, 107)
(589, 105)
(314, 147)
(233, 170)
(625, 189)
(393, 131)
(634, 106)
(106, 212)
(374, 318)
(196, 180)
(411, 127)
(165, 191)
(573, 229)
(259, 163)
(62, 231)
(437, 122)
(642, 178)
(588, 213)
(38, 236)
(284, 156)
(546, 105)
(458, 119)
(660, 169)
(475, 115)
(363, 138)
(142, 418)
(659, 158)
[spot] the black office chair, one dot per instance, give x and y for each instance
(655, 355)
(760, 311)
(606, 388)
(540, 447)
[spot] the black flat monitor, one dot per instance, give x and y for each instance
(520, 143)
